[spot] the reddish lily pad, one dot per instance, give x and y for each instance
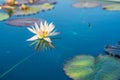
(85, 4)
(113, 50)
(23, 21)
(36, 1)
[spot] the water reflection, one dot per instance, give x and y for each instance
(42, 45)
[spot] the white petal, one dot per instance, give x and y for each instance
(54, 33)
(46, 26)
(41, 26)
(48, 39)
(33, 38)
(36, 26)
(31, 30)
(51, 27)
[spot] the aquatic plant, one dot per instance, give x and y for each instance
(113, 50)
(85, 4)
(27, 11)
(36, 1)
(112, 7)
(45, 31)
(47, 6)
(86, 67)
(26, 22)
(105, 4)
(11, 2)
(33, 9)
(3, 16)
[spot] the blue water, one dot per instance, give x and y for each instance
(76, 38)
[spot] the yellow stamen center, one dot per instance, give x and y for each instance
(43, 35)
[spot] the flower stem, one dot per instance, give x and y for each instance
(16, 65)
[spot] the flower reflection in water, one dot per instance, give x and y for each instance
(42, 45)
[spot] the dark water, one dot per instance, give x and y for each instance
(76, 38)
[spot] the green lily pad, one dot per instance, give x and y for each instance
(3, 16)
(84, 67)
(30, 10)
(113, 7)
(79, 68)
(33, 9)
(47, 6)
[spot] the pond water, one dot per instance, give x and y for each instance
(77, 37)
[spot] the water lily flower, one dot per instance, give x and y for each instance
(44, 31)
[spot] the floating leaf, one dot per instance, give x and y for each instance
(79, 68)
(36, 1)
(47, 6)
(30, 10)
(84, 67)
(23, 21)
(85, 4)
(112, 7)
(113, 50)
(33, 9)
(3, 16)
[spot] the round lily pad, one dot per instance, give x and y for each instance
(30, 10)
(85, 4)
(36, 1)
(113, 50)
(33, 9)
(112, 7)
(23, 21)
(84, 67)
(47, 6)
(3, 16)
(79, 68)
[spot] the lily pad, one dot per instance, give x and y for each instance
(79, 68)
(30, 10)
(113, 7)
(33, 9)
(47, 6)
(85, 4)
(84, 67)
(113, 50)
(36, 1)
(23, 21)
(3, 16)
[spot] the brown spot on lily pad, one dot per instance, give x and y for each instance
(23, 22)
(85, 4)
